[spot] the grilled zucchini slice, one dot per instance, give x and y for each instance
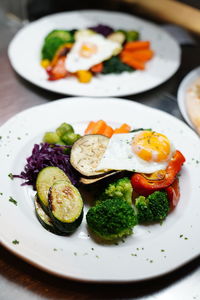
(45, 180)
(44, 219)
(65, 206)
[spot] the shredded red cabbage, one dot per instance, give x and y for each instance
(102, 29)
(44, 155)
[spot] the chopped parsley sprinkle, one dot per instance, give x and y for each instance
(75, 253)
(133, 254)
(162, 250)
(12, 200)
(181, 235)
(15, 242)
(54, 249)
(1, 193)
(11, 176)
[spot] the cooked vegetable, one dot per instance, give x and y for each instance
(97, 68)
(121, 189)
(44, 155)
(58, 71)
(154, 208)
(64, 128)
(142, 55)
(132, 62)
(45, 179)
(138, 45)
(101, 127)
(107, 177)
(124, 128)
(115, 65)
(118, 37)
(173, 193)
(145, 186)
(86, 153)
(102, 29)
(84, 76)
(65, 206)
(70, 138)
(132, 35)
(53, 41)
(111, 219)
(44, 219)
(52, 138)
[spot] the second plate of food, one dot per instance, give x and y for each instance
(124, 55)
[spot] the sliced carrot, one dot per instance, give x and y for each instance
(143, 55)
(89, 128)
(134, 63)
(99, 127)
(137, 45)
(108, 131)
(124, 128)
(97, 68)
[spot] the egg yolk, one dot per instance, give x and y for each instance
(88, 49)
(151, 146)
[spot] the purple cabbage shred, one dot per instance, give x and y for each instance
(45, 155)
(102, 29)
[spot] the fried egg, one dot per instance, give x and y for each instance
(90, 50)
(142, 152)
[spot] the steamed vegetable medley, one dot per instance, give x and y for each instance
(87, 52)
(134, 174)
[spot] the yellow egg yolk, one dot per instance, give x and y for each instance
(151, 146)
(88, 49)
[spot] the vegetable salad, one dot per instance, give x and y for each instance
(97, 50)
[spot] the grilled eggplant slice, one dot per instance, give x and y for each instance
(65, 206)
(44, 219)
(45, 180)
(87, 152)
(97, 179)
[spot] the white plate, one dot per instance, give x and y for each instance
(24, 54)
(181, 95)
(151, 251)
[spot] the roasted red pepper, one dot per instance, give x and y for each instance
(58, 71)
(144, 186)
(173, 193)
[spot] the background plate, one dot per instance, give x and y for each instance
(24, 54)
(181, 95)
(151, 251)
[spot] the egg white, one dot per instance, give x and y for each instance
(105, 49)
(119, 156)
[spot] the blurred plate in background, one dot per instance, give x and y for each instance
(24, 54)
(186, 83)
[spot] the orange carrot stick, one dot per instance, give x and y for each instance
(89, 128)
(143, 55)
(124, 128)
(99, 127)
(108, 131)
(137, 45)
(134, 63)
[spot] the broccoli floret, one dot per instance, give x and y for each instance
(111, 219)
(53, 41)
(121, 189)
(154, 208)
(115, 65)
